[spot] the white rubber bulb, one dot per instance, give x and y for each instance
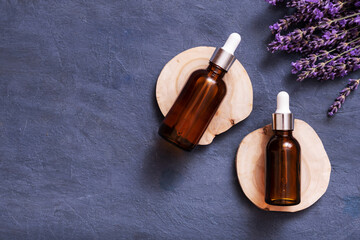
(283, 102)
(232, 43)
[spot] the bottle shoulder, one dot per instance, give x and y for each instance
(199, 73)
(288, 142)
(201, 76)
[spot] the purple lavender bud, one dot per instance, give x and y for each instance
(340, 69)
(357, 20)
(346, 91)
(303, 75)
(283, 24)
(331, 75)
(313, 57)
(343, 46)
(318, 14)
(333, 8)
(275, 27)
(297, 35)
(310, 30)
(332, 110)
(353, 83)
(341, 99)
(341, 60)
(355, 52)
(325, 23)
(297, 66)
(342, 23)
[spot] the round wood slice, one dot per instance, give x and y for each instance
(315, 166)
(237, 104)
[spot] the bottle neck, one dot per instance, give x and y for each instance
(283, 133)
(215, 72)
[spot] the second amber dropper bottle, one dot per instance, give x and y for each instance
(200, 98)
(282, 184)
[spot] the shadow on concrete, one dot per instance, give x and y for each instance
(164, 165)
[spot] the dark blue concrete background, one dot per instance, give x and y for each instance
(80, 157)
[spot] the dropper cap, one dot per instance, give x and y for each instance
(232, 43)
(283, 119)
(224, 56)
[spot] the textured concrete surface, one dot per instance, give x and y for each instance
(80, 157)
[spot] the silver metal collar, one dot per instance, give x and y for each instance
(283, 121)
(222, 58)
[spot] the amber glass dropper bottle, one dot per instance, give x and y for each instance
(199, 99)
(282, 158)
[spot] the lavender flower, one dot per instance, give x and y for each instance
(327, 35)
(339, 101)
(284, 23)
(338, 66)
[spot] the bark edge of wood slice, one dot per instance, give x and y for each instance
(237, 104)
(315, 166)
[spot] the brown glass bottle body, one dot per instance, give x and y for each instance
(282, 170)
(194, 108)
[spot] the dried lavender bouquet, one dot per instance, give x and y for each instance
(327, 34)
